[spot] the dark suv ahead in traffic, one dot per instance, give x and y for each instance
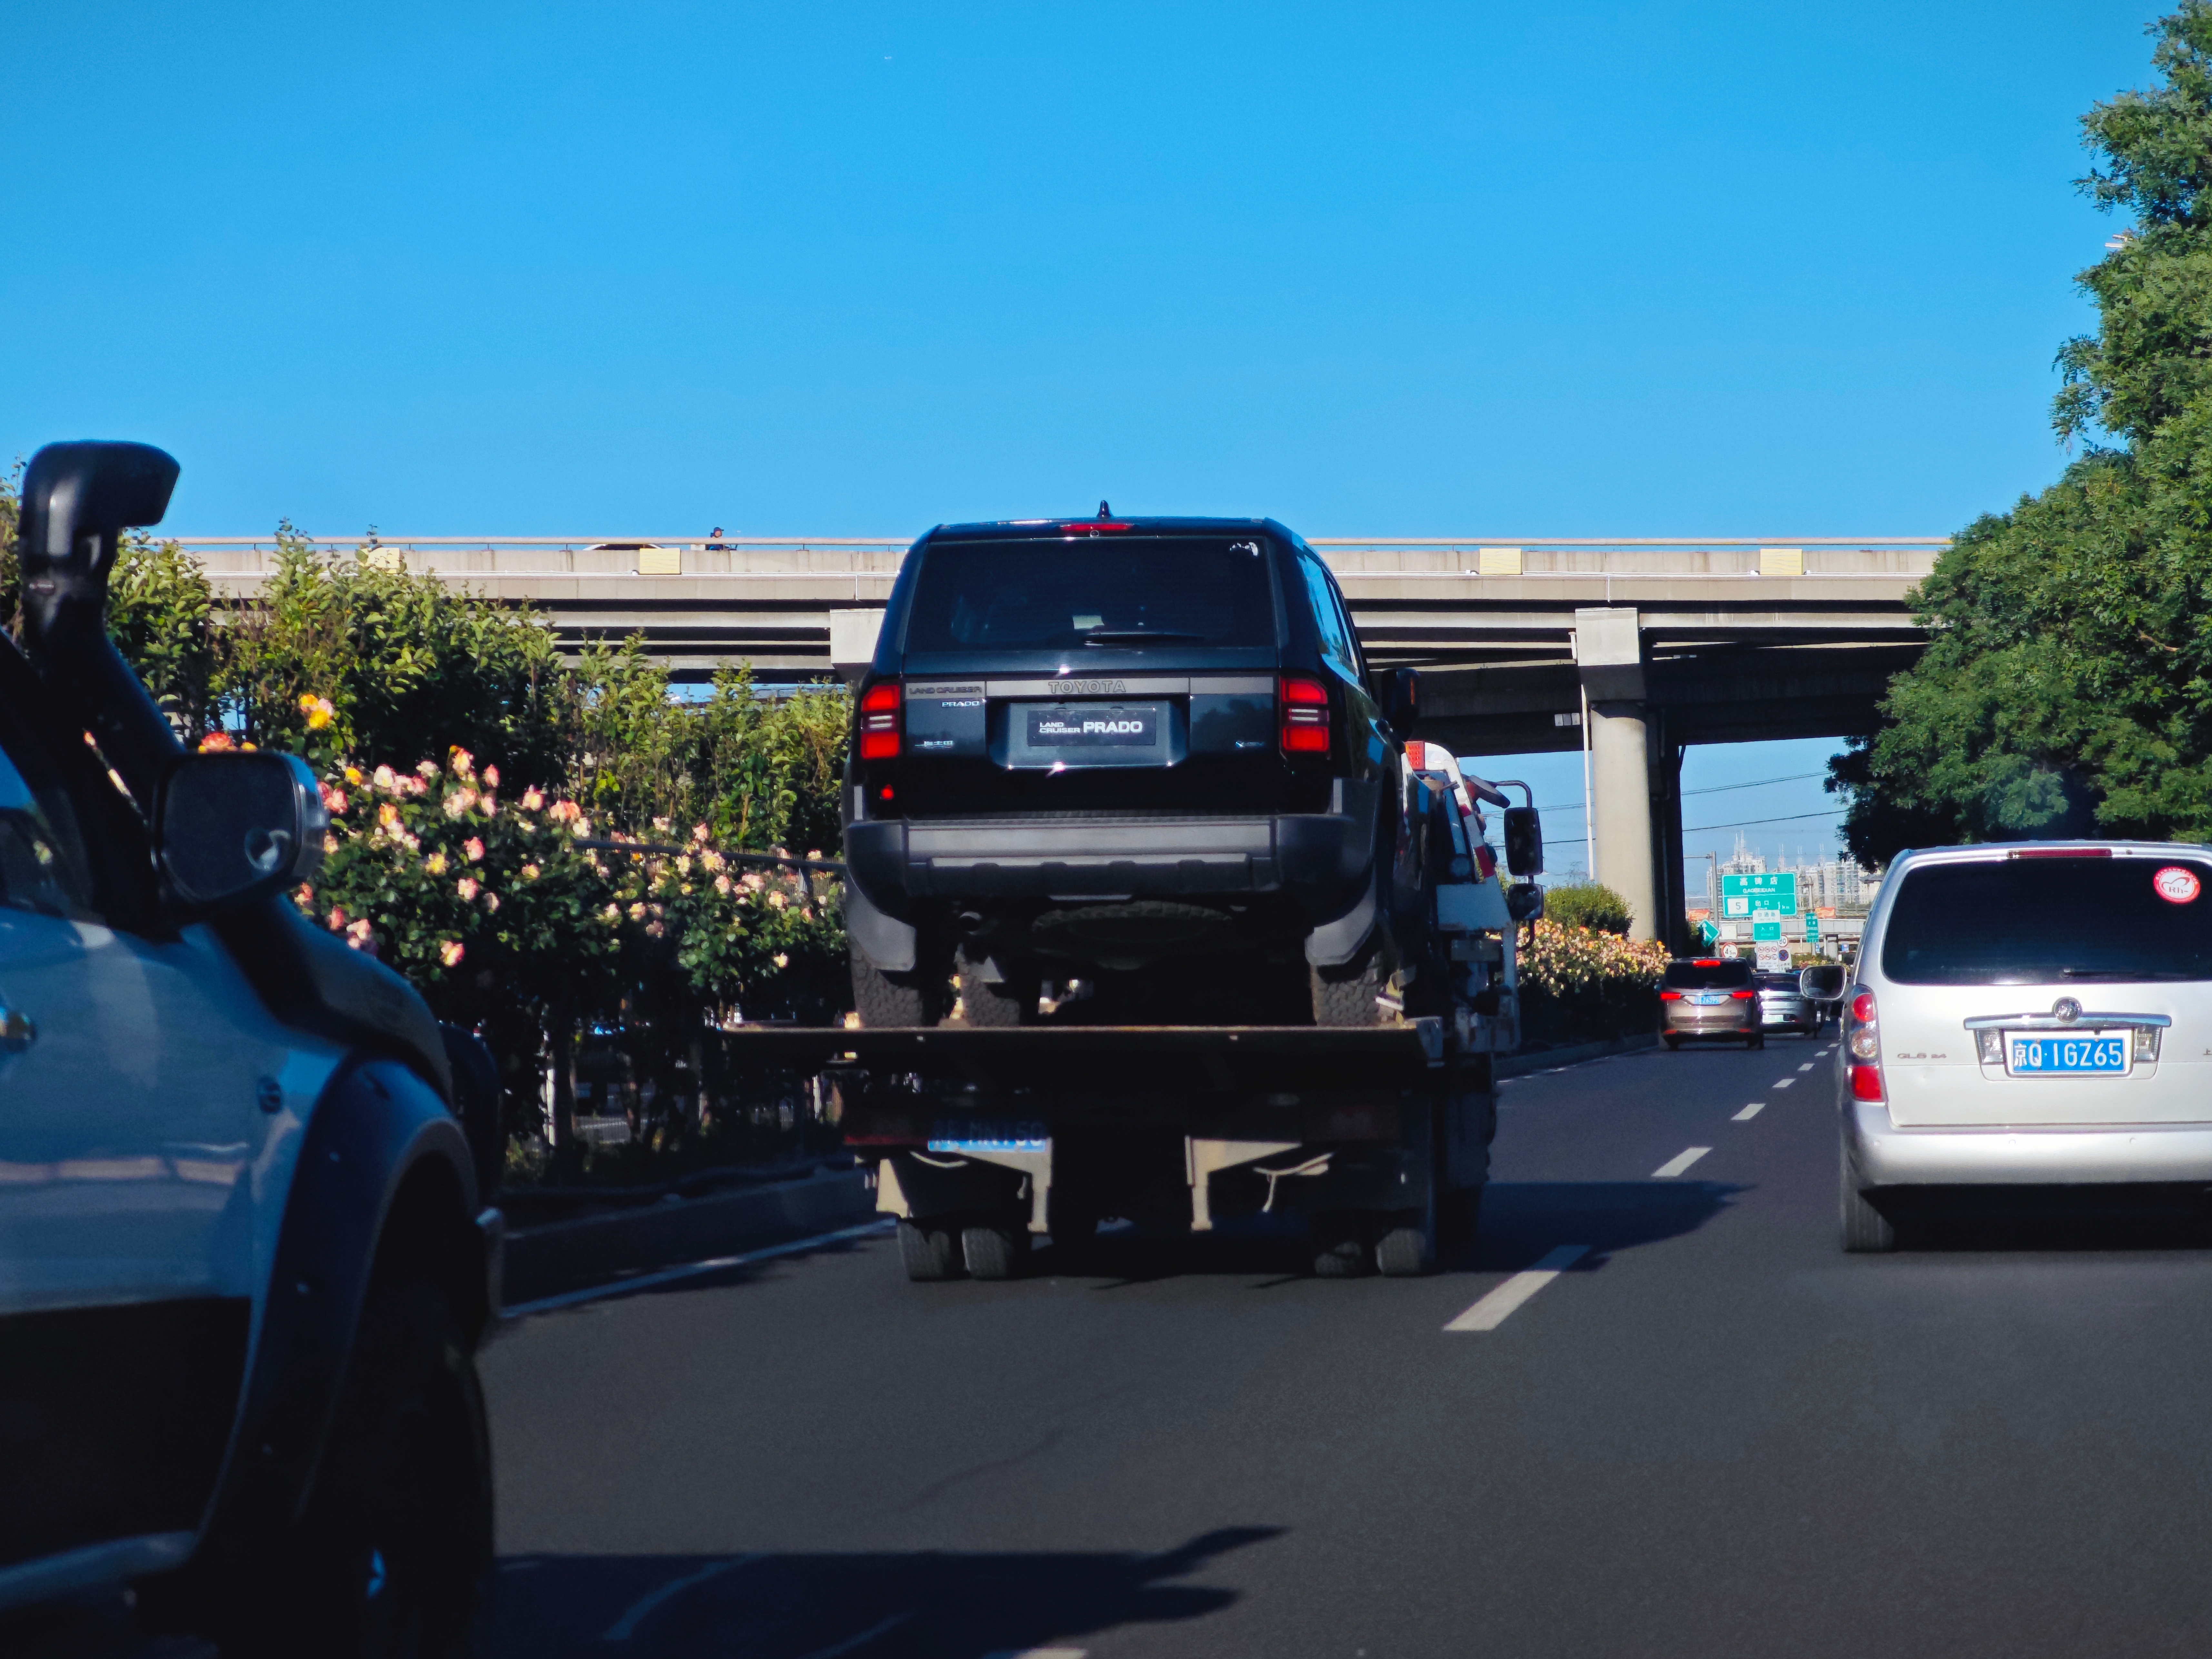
(1138, 760)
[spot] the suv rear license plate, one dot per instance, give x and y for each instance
(2090, 1054)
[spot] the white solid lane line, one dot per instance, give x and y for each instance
(1490, 1312)
(1747, 1113)
(1681, 1161)
(1784, 1082)
(1807, 1066)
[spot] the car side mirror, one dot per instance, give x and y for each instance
(1823, 984)
(1524, 841)
(1525, 903)
(232, 827)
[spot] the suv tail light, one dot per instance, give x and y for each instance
(1862, 1047)
(1670, 996)
(1742, 996)
(880, 721)
(1304, 707)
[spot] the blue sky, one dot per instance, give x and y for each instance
(1479, 270)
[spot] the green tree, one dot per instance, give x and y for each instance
(1589, 904)
(2066, 685)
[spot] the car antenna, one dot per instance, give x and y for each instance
(1104, 511)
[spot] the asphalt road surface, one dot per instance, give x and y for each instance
(1697, 1428)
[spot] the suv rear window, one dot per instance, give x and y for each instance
(1054, 595)
(1707, 975)
(2037, 921)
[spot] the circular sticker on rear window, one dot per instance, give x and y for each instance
(2176, 885)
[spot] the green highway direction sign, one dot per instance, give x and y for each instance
(1765, 926)
(1812, 927)
(1745, 896)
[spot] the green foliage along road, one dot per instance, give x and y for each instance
(469, 767)
(2067, 686)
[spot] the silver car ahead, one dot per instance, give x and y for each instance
(2034, 1013)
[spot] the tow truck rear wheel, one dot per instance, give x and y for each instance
(1339, 1242)
(1405, 1248)
(995, 1250)
(394, 1556)
(929, 1254)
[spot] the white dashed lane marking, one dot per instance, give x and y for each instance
(1491, 1311)
(1784, 1082)
(1747, 1113)
(1681, 1161)
(1807, 1066)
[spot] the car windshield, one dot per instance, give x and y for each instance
(2046, 921)
(1059, 595)
(1708, 974)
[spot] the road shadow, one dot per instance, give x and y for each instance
(1522, 1220)
(1956, 1219)
(943, 1605)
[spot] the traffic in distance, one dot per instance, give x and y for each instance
(1185, 974)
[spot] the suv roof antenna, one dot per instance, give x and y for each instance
(1104, 511)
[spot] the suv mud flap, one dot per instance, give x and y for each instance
(890, 942)
(1335, 942)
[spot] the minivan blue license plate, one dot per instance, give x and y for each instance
(2088, 1054)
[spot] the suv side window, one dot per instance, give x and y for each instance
(1338, 648)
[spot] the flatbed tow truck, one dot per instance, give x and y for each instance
(979, 1139)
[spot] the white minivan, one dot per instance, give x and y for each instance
(2028, 1013)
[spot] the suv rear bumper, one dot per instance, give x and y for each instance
(1320, 859)
(1884, 1155)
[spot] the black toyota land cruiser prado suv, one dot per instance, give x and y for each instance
(1123, 770)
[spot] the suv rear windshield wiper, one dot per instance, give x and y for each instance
(1135, 635)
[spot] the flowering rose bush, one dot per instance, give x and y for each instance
(1578, 985)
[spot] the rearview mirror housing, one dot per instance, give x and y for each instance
(235, 826)
(1525, 903)
(1398, 693)
(1524, 841)
(1824, 983)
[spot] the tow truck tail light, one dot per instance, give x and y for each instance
(879, 722)
(1304, 707)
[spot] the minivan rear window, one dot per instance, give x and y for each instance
(1721, 975)
(1108, 593)
(2049, 921)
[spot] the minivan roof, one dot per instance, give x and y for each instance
(1080, 526)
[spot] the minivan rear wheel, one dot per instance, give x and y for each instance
(1866, 1229)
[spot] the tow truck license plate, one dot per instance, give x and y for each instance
(2089, 1054)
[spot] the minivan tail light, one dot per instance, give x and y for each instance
(1866, 1082)
(1862, 1049)
(1304, 706)
(1670, 996)
(1742, 996)
(880, 721)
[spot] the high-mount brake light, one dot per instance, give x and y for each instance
(2060, 853)
(1305, 705)
(1705, 962)
(1096, 526)
(879, 722)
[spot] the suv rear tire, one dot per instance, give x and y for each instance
(1350, 996)
(887, 999)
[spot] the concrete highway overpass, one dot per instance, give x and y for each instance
(1654, 644)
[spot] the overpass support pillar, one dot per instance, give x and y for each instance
(1635, 772)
